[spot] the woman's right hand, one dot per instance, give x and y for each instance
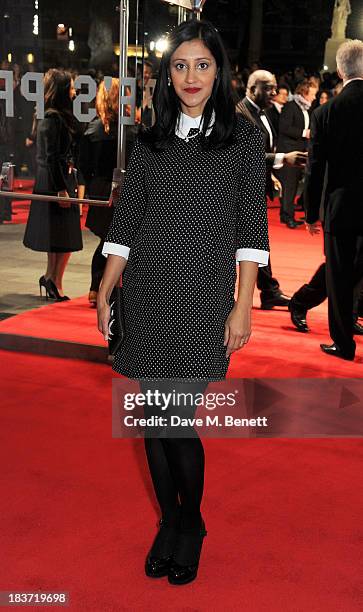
(64, 194)
(103, 315)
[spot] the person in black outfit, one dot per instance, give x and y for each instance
(5, 138)
(313, 294)
(54, 228)
(294, 133)
(277, 104)
(261, 87)
(98, 158)
(335, 171)
(193, 203)
(30, 143)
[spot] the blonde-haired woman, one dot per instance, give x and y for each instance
(97, 160)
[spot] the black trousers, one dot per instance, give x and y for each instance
(266, 283)
(344, 270)
(290, 178)
(314, 293)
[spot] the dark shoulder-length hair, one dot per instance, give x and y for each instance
(167, 104)
(57, 86)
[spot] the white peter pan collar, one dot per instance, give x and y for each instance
(186, 123)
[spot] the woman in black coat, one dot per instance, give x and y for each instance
(98, 158)
(54, 227)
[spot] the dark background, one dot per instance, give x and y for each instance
(292, 31)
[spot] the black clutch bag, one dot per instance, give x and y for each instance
(116, 326)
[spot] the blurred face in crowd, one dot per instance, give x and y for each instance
(147, 73)
(264, 91)
(311, 94)
(72, 90)
(193, 71)
(323, 98)
(282, 97)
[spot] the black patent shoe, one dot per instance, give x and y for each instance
(278, 299)
(53, 292)
(159, 559)
(334, 350)
(291, 224)
(298, 318)
(43, 284)
(157, 568)
(185, 563)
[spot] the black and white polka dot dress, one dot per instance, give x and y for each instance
(184, 213)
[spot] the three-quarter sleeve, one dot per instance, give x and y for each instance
(130, 207)
(252, 227)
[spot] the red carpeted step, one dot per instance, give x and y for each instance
(72, 321)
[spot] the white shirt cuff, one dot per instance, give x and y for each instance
(111, 248)
(278, 161)
(256, 255)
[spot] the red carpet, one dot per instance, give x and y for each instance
(75, 503)
(78, 513)
(73, 321)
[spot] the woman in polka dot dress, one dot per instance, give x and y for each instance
(193, 203)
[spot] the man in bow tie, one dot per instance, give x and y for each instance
(261, 89)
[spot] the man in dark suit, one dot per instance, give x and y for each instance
(335, 180)
(261, 88)
(278, 103)
(293, 135)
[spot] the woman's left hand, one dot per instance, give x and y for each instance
(237, 329)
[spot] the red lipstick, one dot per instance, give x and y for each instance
(192, 90)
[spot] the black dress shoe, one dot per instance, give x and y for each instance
(291, 224)
(357, 329)
(332, 349)
(279, 299)
(298, 317)
(159, 559)
(184, 567)
(156, 567)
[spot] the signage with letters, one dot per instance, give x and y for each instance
(32, 89)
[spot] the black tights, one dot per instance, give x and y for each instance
(177, 465)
